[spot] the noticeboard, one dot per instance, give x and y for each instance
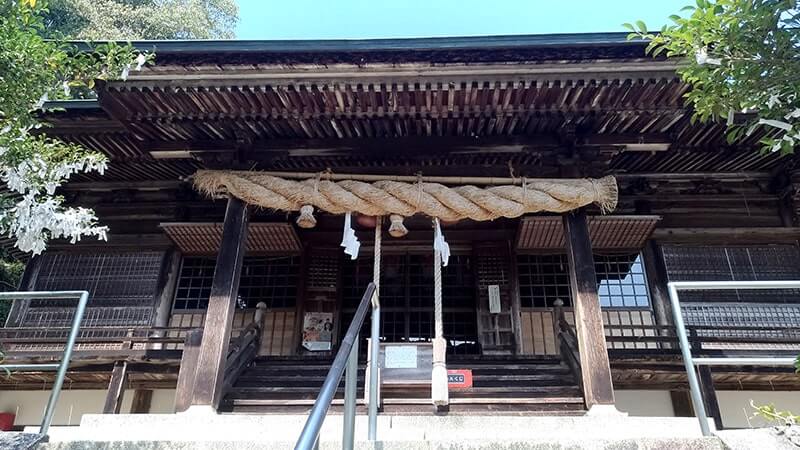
(459, 379)
(406, 363)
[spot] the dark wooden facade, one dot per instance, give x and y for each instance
(691, 207)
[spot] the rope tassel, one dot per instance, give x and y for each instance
(306, 218)
(397, 228)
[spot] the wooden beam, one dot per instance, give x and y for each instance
(116, 388)
(402, 146)
(753, 235)
(221, 307)
(595, 368)
(119, 241)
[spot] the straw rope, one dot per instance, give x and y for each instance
(439, 388)
(381, 198)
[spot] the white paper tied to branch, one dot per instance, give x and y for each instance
(440, 244)
(349, 239)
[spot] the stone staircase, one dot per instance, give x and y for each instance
(530, 386)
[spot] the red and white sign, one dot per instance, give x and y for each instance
(459, 379)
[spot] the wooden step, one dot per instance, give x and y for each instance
(277, 389)
(259, 380)
(284, 402)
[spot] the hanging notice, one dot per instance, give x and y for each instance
(317, 331)
(401, 357)
(494, 299)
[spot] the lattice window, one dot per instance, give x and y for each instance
(272, 280)
(717, 263)
(112, 279)
(543, 279)
(621, 281)
(122, 293)
(323, 270)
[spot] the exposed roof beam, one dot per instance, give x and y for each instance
(451, 43)
(401, 146)
(405, 73)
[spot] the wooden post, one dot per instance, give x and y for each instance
(116, 388)
(165, 291)
(657, 282)
(710, 395)
(142, 399)
(221, 307)
(681, 403)
(595, 368)
(706, 381)
(28, 283)
(187, 373)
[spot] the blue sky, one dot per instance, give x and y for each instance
(353, 19)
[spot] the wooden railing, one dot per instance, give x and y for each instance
(107, 341)
(708, 340)
(244, 349)
(568, 343)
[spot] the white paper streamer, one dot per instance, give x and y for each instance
(349, 239)
(440, 244)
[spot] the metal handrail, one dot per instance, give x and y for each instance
(686, 350)
(346, 357)
(83, 299)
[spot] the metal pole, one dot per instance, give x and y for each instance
(13, 367)
(350, 383)
(62, 370)
(375, 337)
(744, 361)
(316, 417)
(686, 351)
(375, 343)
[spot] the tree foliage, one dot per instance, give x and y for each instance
(32, 165)
(740, 56)
(142, 19)
(10, 274)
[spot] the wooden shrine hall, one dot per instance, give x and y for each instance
(520, 202)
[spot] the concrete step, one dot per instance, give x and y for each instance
(711, 443)
(201, 429)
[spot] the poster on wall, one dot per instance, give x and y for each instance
(317, 331)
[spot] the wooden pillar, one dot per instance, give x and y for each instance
(595, 368)
(221, 306)
(116, 388)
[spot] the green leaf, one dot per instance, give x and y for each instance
(628, 26)
(642, 27)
